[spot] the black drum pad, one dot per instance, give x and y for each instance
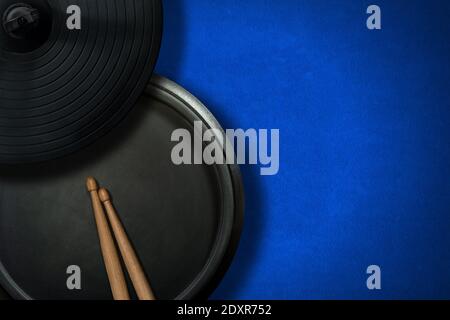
(61, 88)
(184, 221)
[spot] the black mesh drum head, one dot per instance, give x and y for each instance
(183, 220)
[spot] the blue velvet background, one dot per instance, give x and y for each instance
(365, 139)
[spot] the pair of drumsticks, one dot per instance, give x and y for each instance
(100, 198)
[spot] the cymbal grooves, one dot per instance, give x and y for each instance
(79, 84)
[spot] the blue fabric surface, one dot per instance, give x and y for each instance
(364, 119)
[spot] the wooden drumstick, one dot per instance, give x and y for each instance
(110, 256)
(135, 271)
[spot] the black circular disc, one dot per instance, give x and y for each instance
(61, 88)
(184, 220)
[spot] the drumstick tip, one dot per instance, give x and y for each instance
(91, 184)
(103, 194)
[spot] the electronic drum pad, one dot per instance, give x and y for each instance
(70, 70)
(183, 220)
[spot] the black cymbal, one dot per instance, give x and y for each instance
(62, 89)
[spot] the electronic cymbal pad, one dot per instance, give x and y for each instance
(70, 70)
